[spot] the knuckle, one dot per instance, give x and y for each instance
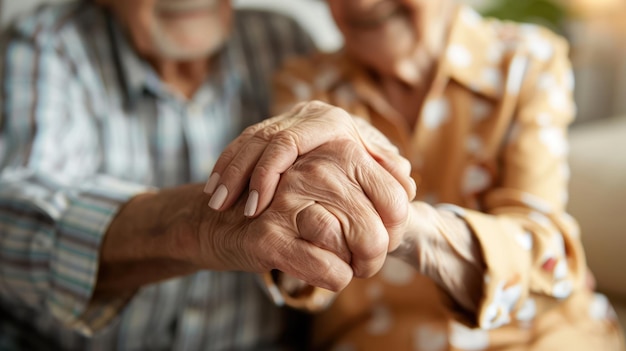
(267, 132)
(339, 113)
(251, 130)
(372, 249)
(394, 171)
(320, 171)
(326, 228)
(328, 224)
(316, 108)
(405, 166)
(297, 108)
(286, 138)
(261, 174)
(343, 119)
(228, 153)
(316, 105)
(234, 171)
(397, 207)
(330, 276)
(366, 270)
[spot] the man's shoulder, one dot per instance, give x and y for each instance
(50, 22)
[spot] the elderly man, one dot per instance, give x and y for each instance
(107, 109)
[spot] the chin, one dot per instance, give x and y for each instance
(186, 55)
(186, 49)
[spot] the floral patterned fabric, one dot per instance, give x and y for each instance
(490, 144)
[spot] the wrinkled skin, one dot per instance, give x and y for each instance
(325, 231)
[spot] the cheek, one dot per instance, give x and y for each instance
(139, 22)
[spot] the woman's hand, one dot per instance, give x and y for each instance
(266, 150)
(440, 245)
(321, 226)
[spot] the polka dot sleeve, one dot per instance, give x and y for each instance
(528, 242)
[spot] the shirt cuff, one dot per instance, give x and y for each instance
(507, 254)
(74, 264)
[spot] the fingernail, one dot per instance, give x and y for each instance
(217, 200)
(251, 204)
(413, 182)
(209, 188)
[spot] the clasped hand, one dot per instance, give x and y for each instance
(328, 197)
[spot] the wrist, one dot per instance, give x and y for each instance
(202, 237)
(143, 245)
(441, 246)
(184, 219)
(419, 232)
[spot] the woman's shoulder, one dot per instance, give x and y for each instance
(496, 35)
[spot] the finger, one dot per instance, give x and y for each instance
(234, 178)
(314, 265)
(387, 155)
(226, 158)
(387, 196)
(275, 160)
(396, 165)
(326, 176)
(227, 155)
(234, 146)
(319, 227)
(364, 233)
(232, 150)
(288, 144)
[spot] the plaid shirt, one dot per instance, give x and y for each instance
(86, 124)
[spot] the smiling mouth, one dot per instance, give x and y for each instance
(377, 17)
(182, 7)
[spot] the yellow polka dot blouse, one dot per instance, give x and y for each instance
(491, 140)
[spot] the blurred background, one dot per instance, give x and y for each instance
(596, 30)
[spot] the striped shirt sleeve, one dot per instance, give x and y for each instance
(54, 206)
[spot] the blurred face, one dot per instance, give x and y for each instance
(174, 29)
(389, 35)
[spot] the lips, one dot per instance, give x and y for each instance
(185, 6)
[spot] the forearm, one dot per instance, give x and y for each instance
(150, 240)
(54, 234)
(440, 245)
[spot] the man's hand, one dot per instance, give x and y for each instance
(322, 227)
(266, 150)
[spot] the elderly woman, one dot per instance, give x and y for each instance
(488, 258)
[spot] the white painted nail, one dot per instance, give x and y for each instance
(217, 200)
(211, 184)
(251, 204)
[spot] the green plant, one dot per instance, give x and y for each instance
(544, 12)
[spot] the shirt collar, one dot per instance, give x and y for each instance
(131, 70)
(473, 55)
